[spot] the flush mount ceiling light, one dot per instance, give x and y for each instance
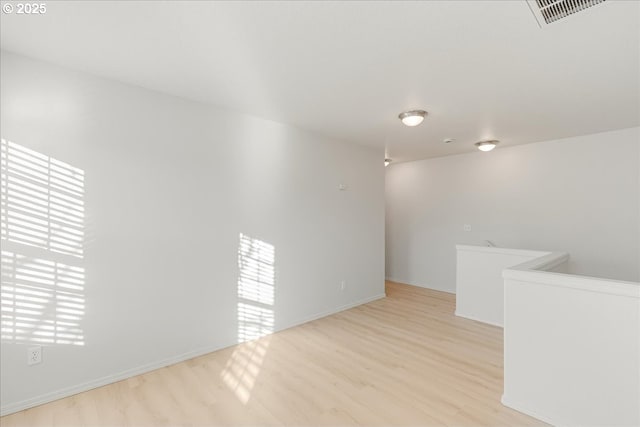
(487, 145)
(386, 162)
(413, 117)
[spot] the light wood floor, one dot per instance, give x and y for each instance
(405, 360)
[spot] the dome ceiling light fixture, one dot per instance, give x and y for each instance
(487, 145)
(413, 117)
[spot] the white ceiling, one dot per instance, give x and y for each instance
(347, 69)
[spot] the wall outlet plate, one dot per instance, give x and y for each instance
(34, 355)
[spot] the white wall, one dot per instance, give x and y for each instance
(170, 185)
(571, 347)
(479, 282)
(578, 195)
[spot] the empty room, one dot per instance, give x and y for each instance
(320, 213)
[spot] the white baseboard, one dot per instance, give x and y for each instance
(488, 322)
(109, 379)
(525, 410)
(405, 282)
(333, 311)
(396, 280)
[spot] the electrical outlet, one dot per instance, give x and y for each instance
(467, 227)
(34, 355)
(343, 285)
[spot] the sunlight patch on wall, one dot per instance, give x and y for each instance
(42, 201)
(42, 234)
(42, 300)
(256, 288)
(256, 296)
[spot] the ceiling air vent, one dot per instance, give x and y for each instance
(548, 11)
